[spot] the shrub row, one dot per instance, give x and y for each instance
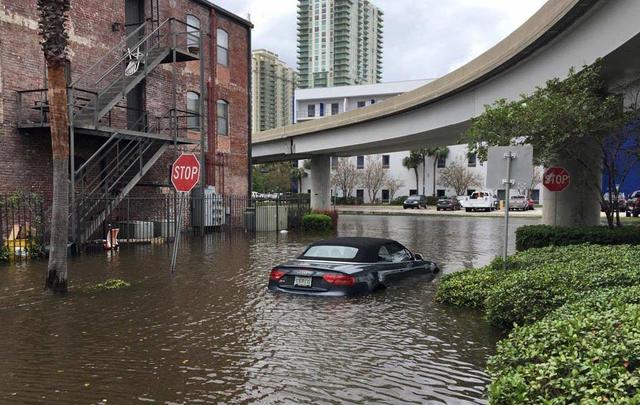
(536, 236)
(316, 222)
(587, 351)
(540, 280)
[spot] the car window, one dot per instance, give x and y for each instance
(397, 252)
(384, 255)
(331, 252)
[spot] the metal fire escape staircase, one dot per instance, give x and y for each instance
(102, 182)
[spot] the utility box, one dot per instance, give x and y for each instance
(207, 207)
(135, 229)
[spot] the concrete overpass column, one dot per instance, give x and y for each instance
(579, 203)
(321, 182)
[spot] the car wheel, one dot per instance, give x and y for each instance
(628, 214)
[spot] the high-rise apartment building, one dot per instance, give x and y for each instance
(273, 86)
(339, 43)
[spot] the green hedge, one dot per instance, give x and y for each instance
(316, 222)
(585, 352)
(536, 236)
(432, 200)
(540, 280)
(526, 296)
(399, 200)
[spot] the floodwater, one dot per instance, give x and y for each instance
(213, 333)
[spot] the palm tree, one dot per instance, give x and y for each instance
(52, 25)
(436, 153)
(297, 173)
(413, 162)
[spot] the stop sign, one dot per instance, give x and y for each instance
(185, 172)
(556, 178)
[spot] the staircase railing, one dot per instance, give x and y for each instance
(111, 81)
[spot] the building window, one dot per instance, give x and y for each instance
(440, 193)
(222, 39)
(360, 162)
(334, 162)
(222, 112)
(193, 110)
(471, 191)
(311, 110)
(360, 196)
(193, 34)
(360, 104)
(442, 162)
(385, 161)
(413, 191)
(385, 195)
(335, 108)
(322, 109)
(472, 160)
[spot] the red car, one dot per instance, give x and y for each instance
(532, 204)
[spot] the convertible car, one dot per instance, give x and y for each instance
(348, 266)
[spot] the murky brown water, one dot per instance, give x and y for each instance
(214, 334)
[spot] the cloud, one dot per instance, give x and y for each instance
(422, 39)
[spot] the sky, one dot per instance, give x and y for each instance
(422, 38)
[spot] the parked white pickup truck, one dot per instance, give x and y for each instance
(481, 201)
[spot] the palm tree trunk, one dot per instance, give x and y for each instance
(417, 180)
(56, 280)
(435, 162)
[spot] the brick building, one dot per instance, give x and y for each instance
(147, 79)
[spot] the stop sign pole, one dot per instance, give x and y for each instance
(185, 174)
(556, 179)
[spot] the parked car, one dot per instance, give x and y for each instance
(633, 204)
(415, 201)
(348, 266)
(448, 203)
(518, 202)
(462, 199)
(621, 202)
(482, 201)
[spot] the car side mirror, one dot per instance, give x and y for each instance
(418, 256)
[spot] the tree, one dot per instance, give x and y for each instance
(272, 177)
(297, 174)
(413, 161)
(345, 176)
(373, 176)
(393, 185)
(458, 177)
(52, 28)
(436, 153)
(564, 116)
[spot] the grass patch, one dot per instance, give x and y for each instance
(110, 284)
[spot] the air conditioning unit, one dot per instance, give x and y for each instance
(207, 207)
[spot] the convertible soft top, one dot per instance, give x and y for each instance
(368, 248)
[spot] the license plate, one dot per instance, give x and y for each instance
(302, 282)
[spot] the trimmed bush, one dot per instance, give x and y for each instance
(432, 200)
(585, 352)
(316, 222)
(333, 214)
(467, 288)
(398, 200)
(536, 236)
(526, 295)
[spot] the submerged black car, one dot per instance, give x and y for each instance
(348, 266)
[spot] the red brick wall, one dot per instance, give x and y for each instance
(232, 85)
(25, 163)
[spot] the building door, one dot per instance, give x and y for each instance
(134, 17)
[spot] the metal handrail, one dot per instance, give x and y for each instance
(118, 46)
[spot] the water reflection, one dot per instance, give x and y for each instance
(212, 333)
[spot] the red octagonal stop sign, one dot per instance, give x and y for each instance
(185, 172)
(556, 178)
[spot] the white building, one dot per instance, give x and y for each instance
(317, 103)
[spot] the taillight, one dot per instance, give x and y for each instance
(340, 279)
(276, 274)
